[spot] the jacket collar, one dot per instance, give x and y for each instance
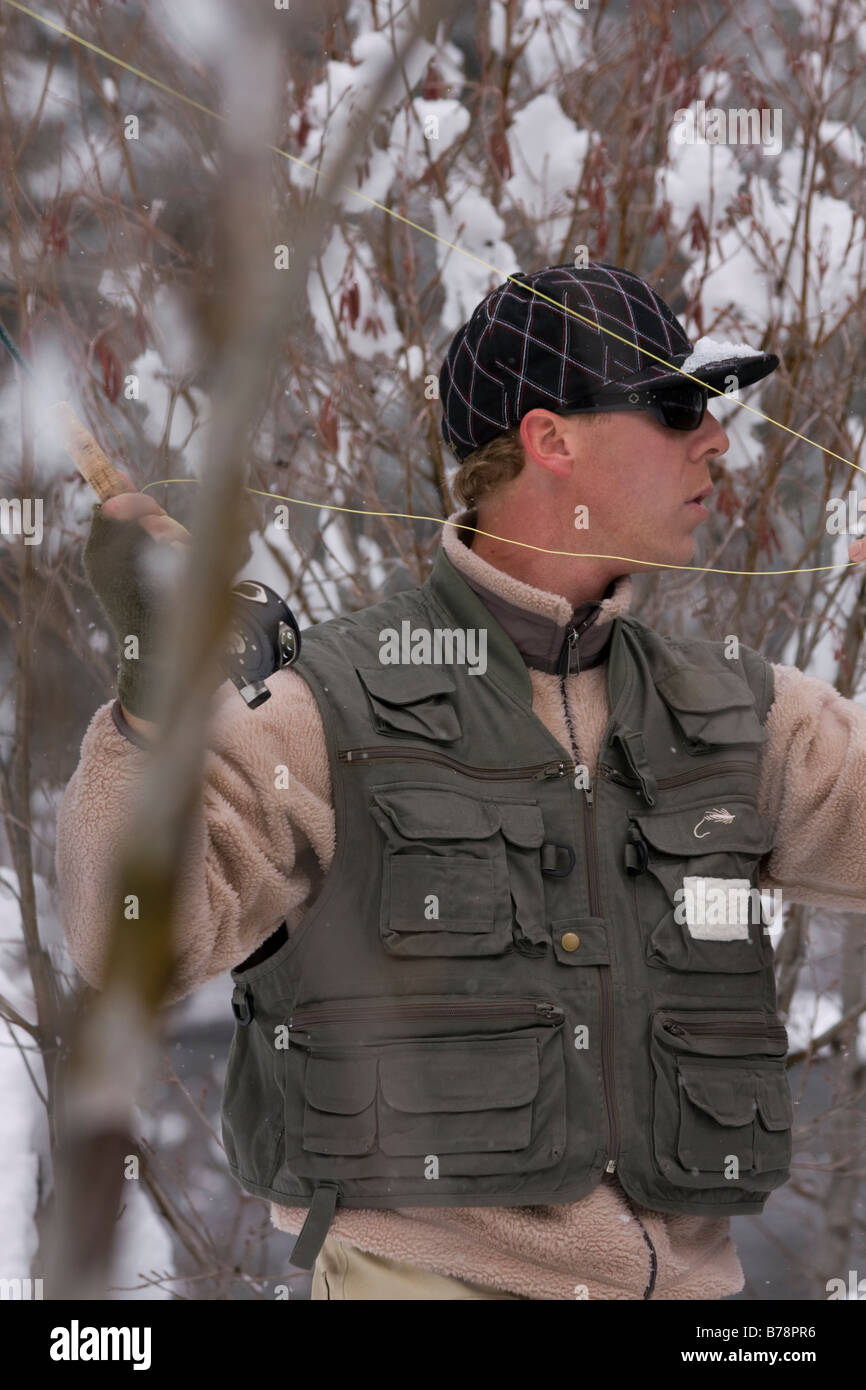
(548, 633)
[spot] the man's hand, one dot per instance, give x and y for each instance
(114, 562)
(857, 550)
(129, 506)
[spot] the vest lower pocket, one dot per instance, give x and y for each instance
(452, 1105)
(459, 1098)
(699, 904)
(340, 1113)
(722, 1109)
(728, 1116)
(461, 876)
(252, 1112)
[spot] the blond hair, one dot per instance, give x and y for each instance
(498, 461)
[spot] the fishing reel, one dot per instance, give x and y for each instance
(264, 637)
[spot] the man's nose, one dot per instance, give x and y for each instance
(710, 437)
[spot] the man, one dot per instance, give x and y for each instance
(503, 1029)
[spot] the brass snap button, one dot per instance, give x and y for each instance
(569, 941)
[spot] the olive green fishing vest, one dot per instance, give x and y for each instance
(515, 979)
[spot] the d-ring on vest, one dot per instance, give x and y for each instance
(499, 994)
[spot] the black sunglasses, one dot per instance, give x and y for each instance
(681, 406)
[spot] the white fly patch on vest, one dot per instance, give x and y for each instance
(716, 909)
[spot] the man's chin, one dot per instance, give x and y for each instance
(657, 557)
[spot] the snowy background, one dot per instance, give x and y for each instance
(516, 134)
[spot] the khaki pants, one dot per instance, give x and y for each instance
(344, 1272)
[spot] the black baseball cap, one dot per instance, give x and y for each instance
(519, 352)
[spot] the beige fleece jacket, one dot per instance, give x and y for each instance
(259, 856)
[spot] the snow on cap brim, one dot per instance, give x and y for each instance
(707, 352)
(712, 361)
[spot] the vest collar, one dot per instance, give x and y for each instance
(461, 607)
(549, 635)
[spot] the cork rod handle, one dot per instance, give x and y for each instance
(92, 463)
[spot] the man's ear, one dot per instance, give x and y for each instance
(545, 442)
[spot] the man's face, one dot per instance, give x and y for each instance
(637, 477)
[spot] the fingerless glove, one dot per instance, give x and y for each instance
(120, 562)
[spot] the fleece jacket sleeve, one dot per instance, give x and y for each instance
(262, 838)
(813, 791)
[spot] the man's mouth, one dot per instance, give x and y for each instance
(700, 496)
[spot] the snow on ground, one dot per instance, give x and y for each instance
(210, 1003)
(812, 1014)
(375, 329)
(411, 149)
(547, 154)
(738, 260)
(143, 1250)
(475, 226)
(154, 386)
(332, 109)
(143, 1243)
(703, 176)
(554, 35)
(23, 1129)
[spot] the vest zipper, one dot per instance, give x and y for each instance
(570, 648)
(604, 980)
(611, 775)
(721, 1029)
(541, 1010)
(536, 772)
(608, 1082)
(604, 976)
(406, 753)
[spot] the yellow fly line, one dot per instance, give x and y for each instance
(524, 545)
(357, 511)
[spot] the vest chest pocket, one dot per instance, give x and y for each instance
(460, 876)
(722, 1109)
(415, 700)
(712, 708)
(698, 898)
